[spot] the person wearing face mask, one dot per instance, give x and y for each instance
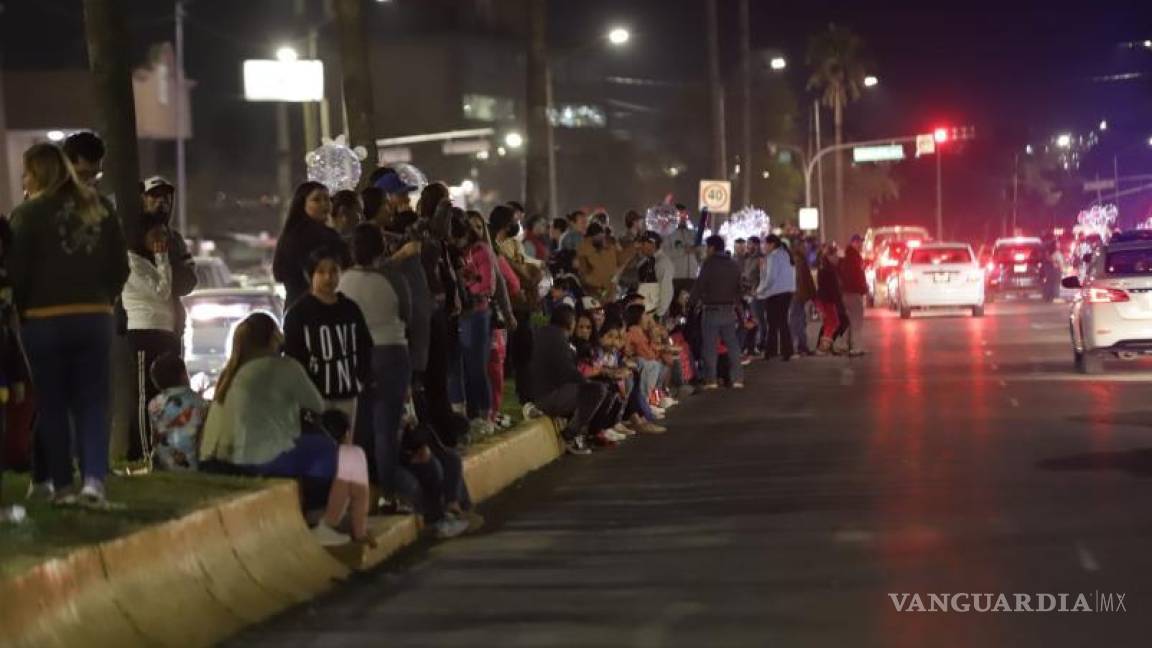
(504, 229)
(597, 261)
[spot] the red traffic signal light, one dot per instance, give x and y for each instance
(940, 135)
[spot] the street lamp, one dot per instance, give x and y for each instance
(513, 140)
(778, 63)
(870, 81)
(1064, 140)
(619, 36)
(286, 54)
(1103, 124)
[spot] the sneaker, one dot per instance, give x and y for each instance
(709, 386)
(603, 440)
(577, 446)
(737, 385)
(450, 527)
(856, 353)
(479, 428)
(42, 492)
(93, 492)
(503, 421)
(14, 514)
(329, 537)
(531, 412)
(746, 360)
(614, 435)
(648, 427)
(668, 402)
(624, 430)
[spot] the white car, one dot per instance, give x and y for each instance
(1112, 314)
(212, 316)
(940, 275)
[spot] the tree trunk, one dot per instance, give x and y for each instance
(108, 60)
(358, 98)
(716, 94)
(838, 221)
(540, 156)
(747, 173)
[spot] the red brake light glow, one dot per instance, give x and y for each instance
(1105, 295)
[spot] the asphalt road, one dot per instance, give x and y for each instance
(960, 456)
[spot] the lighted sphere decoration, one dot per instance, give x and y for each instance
(663, 219)
(411, 176)
(744, 224)
(1099, 219)
(335, 165)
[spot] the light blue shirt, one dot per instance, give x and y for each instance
(779, 275)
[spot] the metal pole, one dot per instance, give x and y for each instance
(939, 193)
(1015, 191)
(820, 173)
(747, 172)
(181, 165)
(310, 109)
(716, 89)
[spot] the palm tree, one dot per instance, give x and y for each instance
(839, 63)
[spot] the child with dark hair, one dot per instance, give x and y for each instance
(177, 413)
(327, 333)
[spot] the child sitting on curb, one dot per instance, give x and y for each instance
(177, 414)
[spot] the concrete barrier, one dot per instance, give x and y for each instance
(201, 578)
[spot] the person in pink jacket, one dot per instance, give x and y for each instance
(475, 329)
(499, 351)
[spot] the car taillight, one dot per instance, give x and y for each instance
(1105, 295)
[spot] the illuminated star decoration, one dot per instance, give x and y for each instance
(335, 165)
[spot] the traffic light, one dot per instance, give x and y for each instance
(940, 135)
(943, 134)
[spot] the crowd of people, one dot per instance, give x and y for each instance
(403, 324)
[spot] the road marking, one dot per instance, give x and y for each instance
(1087, 560)
(1015, 403)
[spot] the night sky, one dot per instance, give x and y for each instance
(1018, 71)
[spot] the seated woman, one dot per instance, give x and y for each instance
(606, 426)
(637, 412)
(256, 427)
(639, 348)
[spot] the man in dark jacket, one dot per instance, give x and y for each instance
(559, 388)
(854, 285)
(718, 290)
(157, 196)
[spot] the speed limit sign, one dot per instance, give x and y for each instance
(716, 196)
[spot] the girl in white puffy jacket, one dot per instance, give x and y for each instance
(147, 300)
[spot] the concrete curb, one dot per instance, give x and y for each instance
(204, 577)
(489, 467)
(189, 582)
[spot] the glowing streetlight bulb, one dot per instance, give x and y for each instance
(286, 54)
(619, 36)
(870, 81)
(778, 63)
(1103, 124)
(55, 136)
(514, 140)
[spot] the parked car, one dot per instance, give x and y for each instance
(1111, 316)
(212, 272)
(212, 315)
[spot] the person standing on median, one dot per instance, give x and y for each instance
(68, 264)
(854, 285)
(717, 290)
(774, 294)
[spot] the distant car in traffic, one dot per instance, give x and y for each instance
(886, 264)
(212, 273)
(876, 240)
(212, 314)
(1016, 267)
(940, 275)
(1111, 316)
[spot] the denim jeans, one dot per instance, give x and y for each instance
(650, 373)
(70, 359)
(761, 317)
(475, 347)
(381, 410)
(798, 325)
(720, 323)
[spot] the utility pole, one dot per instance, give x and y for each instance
(358, 99)
(116, 107)
(1015, 192)
(539, 156)
(181, 118)
(820, 166)
(716, 92)
(939, 193)
(746, 171)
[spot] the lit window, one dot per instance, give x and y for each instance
(488, 108)
(578, 116)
